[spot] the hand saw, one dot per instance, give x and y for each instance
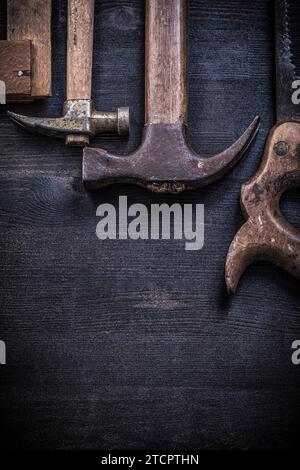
(266, 235)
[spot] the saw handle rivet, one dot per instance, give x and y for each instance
(20, 73)
(281, 149)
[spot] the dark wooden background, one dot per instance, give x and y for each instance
(135, 344)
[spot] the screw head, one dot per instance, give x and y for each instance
(281, 149)
(20, 73)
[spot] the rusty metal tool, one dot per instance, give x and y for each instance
(80, 121)
(267, 235)
(164, 162)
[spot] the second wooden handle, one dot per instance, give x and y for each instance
(166, 61)
(80, 49)
(80, 57)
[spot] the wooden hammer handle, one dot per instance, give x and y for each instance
(80, 49)
(80, 55)
(166, 61)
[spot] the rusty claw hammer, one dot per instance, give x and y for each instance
(80, 121)
(164, 162)
(266, 235)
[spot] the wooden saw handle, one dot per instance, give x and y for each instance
(166, 61)
(267, 235)
(80, 56)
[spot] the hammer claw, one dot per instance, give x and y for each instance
(220, 164)
(58, 127)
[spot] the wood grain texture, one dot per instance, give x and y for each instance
(77, 139)
(166, 62)
(15, 57)
(80, 49)
(31, 20)
(134, 344)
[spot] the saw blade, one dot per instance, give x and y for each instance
(287, 82)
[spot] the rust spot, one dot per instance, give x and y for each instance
(257, 192)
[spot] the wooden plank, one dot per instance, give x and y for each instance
(134, 344)
(31, 20)
(15, 58)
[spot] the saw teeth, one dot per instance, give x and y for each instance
(287, 35)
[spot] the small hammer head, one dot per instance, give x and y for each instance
(79, 118)
(164, 163)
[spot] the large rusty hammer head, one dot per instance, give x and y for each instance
(164, 162)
